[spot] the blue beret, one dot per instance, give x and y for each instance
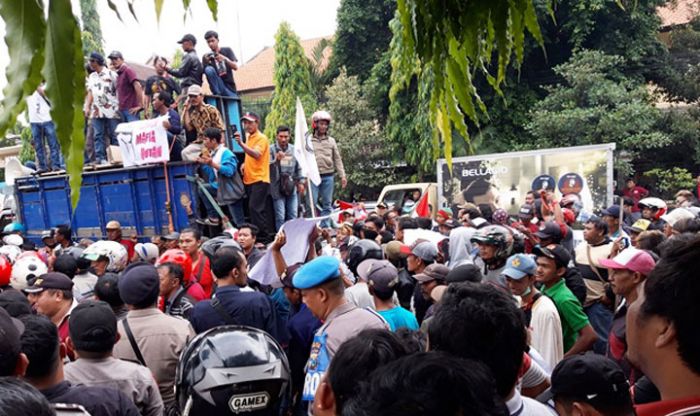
(316, 272)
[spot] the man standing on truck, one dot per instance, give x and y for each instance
(285, 178)
(43, 130)
(129, 89)
(329, 163)
(102, 105)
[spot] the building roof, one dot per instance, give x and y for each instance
(678, 12)
(257, 73)
(142, 71)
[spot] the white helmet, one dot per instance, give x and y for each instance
(147, 252)
(655, 204)
(321, 115)
(26, 268)
(11, 252)
(115, 253)
(13, 240)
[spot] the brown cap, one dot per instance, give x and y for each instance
(434, 271)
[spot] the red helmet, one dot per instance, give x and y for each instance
(5, 271)
(569, 216)
(177, 256)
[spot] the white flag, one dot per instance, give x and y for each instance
(303, 149)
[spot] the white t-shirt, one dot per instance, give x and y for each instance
(358, 295)
(38, 108)
(525, 406)
(546, 334)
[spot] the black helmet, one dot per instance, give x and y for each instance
(229, 370)
(498, 236)
(210, 246)
(361, 251)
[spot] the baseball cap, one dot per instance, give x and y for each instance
(172, 236)
(382, 275)
(139, 284)
(93, 326)
(640, 225)
(611, 211)
(451, 223)
(194, 90)
(381, 205)
(676, 215)
(364, 267)
(250, 117)
(288, 275)
(115, 54)
(434, 271)
(464, 273)
(50, 280)
(424, 250)
(550, 230)
(631, 259)
(113, 225)
(526, 211)
(10, 331)
(478, 222)
(189, 37)
(519, 266)
(591, 378)
(97, 57)
(555, 252)
(394, 250)
(47, 234)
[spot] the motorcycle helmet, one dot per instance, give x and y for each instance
(115, 253)
(229, 370)
(13, 227)
(75, 251)
(497, 236)
(13, 240)
(25, 270)
(177, 256)
(657, 206)
(5, 271)
(361, 251)
(11, 252)
(147, 252)
(321, 115)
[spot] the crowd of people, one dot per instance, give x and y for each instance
(473, 312)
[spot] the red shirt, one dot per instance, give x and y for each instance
(529, 245)
(195, 290)
(636, 194)
(201, 272)
(129, 246)
(126, 93)
(678, 407)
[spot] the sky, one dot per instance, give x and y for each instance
(245, 26)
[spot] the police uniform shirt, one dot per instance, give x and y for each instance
(346, 321)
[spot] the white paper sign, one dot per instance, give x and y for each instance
(143, 142)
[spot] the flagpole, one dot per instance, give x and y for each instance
(311, 198)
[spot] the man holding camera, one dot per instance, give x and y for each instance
(219, 65)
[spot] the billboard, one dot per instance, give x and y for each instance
(502, 180)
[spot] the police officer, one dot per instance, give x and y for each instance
(323, 291)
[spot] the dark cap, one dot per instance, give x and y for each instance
(171, 237)
(139, 284)
(550, 230)
(382, 276)
(189, 37)
(381, 205)
(464, 273)
(434, 271)
(451, 223)
(15, 303)
(10, 331)
(93, 326)
(50, 280)
(115, 55)
(555, 252)
(593, 379)
(250, 117)
(288, 275)
(611, 211)
(97, 57)
(526, 211)
(47, 234)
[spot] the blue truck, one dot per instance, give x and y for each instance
(146, 200)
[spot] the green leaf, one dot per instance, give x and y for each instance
(64, 76)
(25, 31)
(130, 5)
(159, 8)
(114, 8)
(214, 7)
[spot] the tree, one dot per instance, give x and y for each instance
(362, 36)
(319, 73)
(292, 78)
(367, 158)
(92, 30)
(597, 104)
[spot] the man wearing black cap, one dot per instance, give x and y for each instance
(101, 105)
(129, 88)
(93, 333)
(190, 70)
(578, 334)
(383, 278)
(590, 384)
(256, 174)
(219, 65)
(525, 226)
(51, 295)
(147, 335)
(45, 372)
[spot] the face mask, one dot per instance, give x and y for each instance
(527, 292)
(370, 234)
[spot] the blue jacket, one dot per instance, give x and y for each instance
(247, 308)
(229, 165)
